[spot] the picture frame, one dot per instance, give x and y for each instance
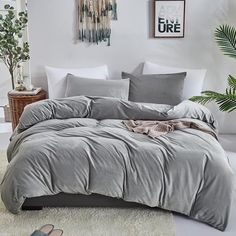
(169, 18)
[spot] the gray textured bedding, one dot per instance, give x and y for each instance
(80, 145)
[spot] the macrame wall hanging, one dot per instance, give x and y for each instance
(95, 20)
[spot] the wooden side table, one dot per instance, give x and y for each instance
(17, 104)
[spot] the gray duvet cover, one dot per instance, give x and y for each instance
(80, 145)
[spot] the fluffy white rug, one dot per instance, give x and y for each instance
(87, 221)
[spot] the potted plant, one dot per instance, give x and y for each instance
(226, 38)
(13, 51)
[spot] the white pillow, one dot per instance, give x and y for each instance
(193, 83)
(56, 78)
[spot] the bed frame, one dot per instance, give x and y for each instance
(75, 200)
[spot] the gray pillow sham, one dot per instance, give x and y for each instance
(77, 86)
(156, 88)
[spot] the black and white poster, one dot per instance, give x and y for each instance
(169, 18)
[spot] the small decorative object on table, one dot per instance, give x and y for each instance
(20, 78)
(18, 101)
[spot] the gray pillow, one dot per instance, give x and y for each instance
(155, 88)
(77, 86)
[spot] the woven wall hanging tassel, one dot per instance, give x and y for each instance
(95, 20)
(114, 8)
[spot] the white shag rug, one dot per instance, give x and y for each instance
(87, 221)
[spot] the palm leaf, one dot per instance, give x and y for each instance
(201, 99)
(208, 96)
(226, 102)
(226, 38)
(232, 82)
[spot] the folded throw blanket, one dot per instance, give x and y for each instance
(156, 129)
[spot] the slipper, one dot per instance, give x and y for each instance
(56, 232)
(45, 230)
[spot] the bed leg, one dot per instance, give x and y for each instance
(32, 208)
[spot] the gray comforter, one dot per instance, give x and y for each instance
(80, 145)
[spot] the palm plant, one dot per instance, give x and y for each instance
(226, 38)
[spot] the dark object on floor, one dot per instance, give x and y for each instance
(44, 230)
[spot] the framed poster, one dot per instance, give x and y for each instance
(169, 20)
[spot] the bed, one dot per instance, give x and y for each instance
(77, 152)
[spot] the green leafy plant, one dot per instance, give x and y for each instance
(13, 50)
(226, 38)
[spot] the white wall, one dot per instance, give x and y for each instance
(52, 39)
